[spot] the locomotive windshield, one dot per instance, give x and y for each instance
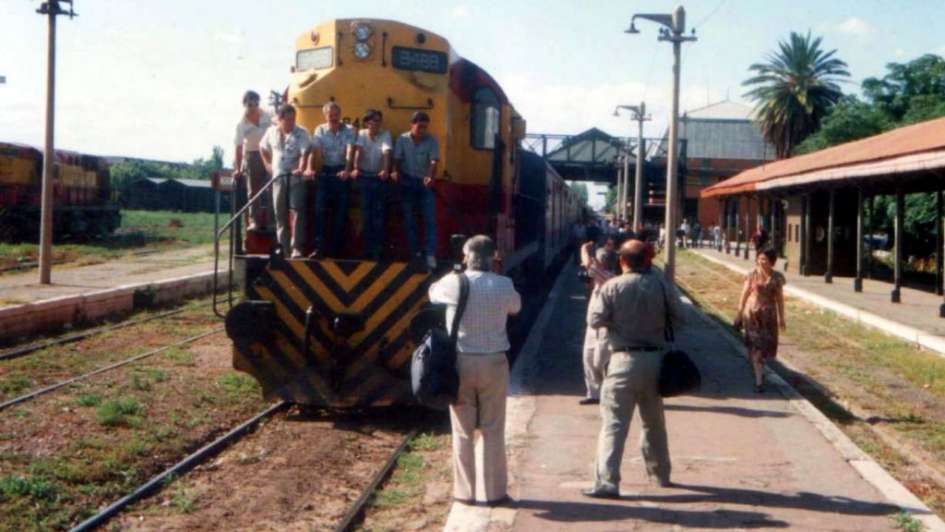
(313, 59)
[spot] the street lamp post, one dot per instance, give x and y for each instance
(640, 116)
(674, 25)
(51, 9)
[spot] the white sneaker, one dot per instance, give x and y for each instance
(431, 262)
(296, 254)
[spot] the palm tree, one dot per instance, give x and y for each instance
(794, 89)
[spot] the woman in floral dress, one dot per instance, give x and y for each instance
(761, 313)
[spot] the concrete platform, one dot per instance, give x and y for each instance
(915, 319)
(740, 460)
(90, 293)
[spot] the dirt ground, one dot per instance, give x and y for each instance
(296, 472)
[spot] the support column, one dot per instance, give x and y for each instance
(828, 277)
(718, 245)
(805, 236)
(895, 296)
(938, 242)
(747, 227)
(858, 281)
(618, 208)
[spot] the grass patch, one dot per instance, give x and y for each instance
(184, 500)
(237, 384)
(89, 399)
(33, 487)
(124, 411)
(907, 523)
(426, 442)
(15, 384)
(182, 357)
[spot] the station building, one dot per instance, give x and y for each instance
(812, 205)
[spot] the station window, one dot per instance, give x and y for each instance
(485, 118)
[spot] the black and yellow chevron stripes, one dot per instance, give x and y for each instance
(369, 368)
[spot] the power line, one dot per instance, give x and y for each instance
(705, 19)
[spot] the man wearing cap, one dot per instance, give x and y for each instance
(482, 343)
(332, 142)
(284, 148)
(247, 162)
(416, 156)
(634, 307)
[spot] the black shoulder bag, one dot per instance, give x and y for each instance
(678, 373)
(434, 380)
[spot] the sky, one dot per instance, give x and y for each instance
(163, 79)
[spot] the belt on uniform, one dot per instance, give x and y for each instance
(627, 349)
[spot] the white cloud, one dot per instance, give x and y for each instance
(900, 53)
(854, 26)
(460, 11)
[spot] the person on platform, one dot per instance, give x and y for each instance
(634, 308)
(761, 313)
(596, 349)
(283, 149)
(416, 155)
(247, 161)
(372, 162)
(332, 142)
(483, 373)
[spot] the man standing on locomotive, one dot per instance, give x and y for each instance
(333, 141)
(416, 155)
(482, 342)
(283, 149)
(372, 167)
(249, 131)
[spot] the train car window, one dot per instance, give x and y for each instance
(485, 118)
(314, 59)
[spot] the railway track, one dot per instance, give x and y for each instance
(188, 463)
(53, 387)
(20, 351)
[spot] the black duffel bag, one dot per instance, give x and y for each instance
(678, 373)
(434, 380)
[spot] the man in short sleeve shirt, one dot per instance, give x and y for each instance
(332, 142)
(284, 148)
(248, 162)
(416, 156)
(372, 161)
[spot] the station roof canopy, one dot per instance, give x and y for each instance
(911, 151)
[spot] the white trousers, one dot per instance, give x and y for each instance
(483, 386)
(596, 357)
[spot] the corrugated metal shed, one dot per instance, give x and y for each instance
(724, 130)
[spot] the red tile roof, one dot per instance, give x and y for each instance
(900, 150)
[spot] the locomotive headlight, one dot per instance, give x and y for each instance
(362, 32)
(362, 50)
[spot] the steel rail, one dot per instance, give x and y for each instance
(17, 352)
(356, 509)
(53, 387)
(185, 465)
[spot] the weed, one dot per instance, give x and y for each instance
(907, 523)
(15, 384)
(119, 412)
(89, 399)
(391, 497)
(34, 487)
(140, 383)
(426, 442)
(180, 356)
(236, 384)
(184, 500)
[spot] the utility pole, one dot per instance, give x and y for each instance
(639, 114)
(674, 25)
(51, 9)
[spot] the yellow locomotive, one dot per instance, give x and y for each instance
(338, 332)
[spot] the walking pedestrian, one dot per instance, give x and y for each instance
(482, 343)
(634, 308)
(761, 313)
(247, 161)
(283, 149)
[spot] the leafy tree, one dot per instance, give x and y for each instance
(910, 91)
(581, 190)
(794, 89)
(610, 200)
(849, 120)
